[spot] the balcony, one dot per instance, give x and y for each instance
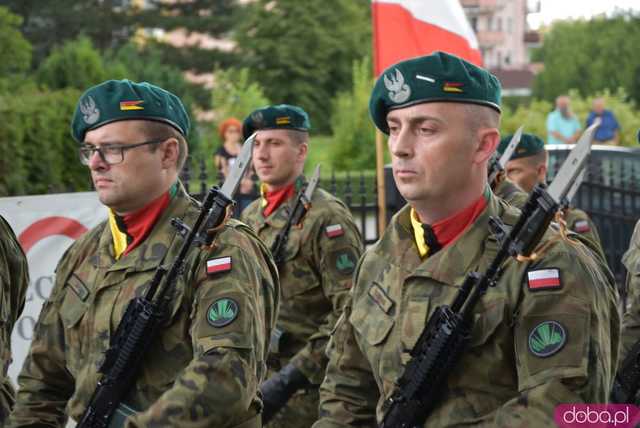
(480, 7)
(487, 39)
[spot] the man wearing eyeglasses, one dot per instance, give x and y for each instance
(205, 366)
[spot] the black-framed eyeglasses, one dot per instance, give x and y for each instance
(111, 154)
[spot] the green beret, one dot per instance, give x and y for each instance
(282, 116)
(116, 100)
(436, 77)
(529, 145)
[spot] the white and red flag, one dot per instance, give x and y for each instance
(544, 279)
(404, 29)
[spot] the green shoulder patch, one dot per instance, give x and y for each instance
(344, 260)
(547, 338)
(222, 312)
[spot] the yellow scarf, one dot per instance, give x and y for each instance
(418, 234)
(119, 238)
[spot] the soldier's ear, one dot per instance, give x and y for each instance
(303, 149)
(170, 153)
(542, 173)
(488, 140)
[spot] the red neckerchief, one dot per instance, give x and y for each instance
(138, 225)
(277, 197)
(449, 229)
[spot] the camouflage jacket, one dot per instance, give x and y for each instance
(315, 278)
(511, 193)
(203, 369)
(577, 220)
(14, 280)
(631, 318)
(531, 347)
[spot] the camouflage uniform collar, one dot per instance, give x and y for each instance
(152, 250)
(451, 264)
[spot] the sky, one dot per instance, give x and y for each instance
(563, 9)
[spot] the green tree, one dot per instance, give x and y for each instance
(15, 50)
(235, 94)
(77, 64)
(301, 52)
(36, 133)
(350, 122)
(50, 23)
(590, 56)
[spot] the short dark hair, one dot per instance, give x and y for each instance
(155, 130)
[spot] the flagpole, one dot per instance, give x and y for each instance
(382, 199)
(382, 203)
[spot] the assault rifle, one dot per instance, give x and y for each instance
(300, 208)
(496, 166)
(448, 331)
(144, 315)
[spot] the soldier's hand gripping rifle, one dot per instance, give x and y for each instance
(144, 315)
(496, 166)
(300, 208)
(448, 331)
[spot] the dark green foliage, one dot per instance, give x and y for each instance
(77, 64)
(590, 56)
(50, 23)
(38, 154)
(301, 52)
(15, 50)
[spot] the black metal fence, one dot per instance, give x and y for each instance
(610, 194)
(358, 190)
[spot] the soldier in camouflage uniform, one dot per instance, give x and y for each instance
(14, 280)
(315, 276)
(206, 364)
(546, 334)
(631, 318)
(528, 167)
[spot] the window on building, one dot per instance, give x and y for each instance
(507, 59)
(499, 61)
(509, 25)
(499, 24)
(474, 23)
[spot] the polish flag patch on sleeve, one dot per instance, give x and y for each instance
(334, 230)
(581, 226)
(544, 279)
(221, 264)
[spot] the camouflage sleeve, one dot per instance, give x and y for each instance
(631, 318)
(229, 329)
(44, 383)
(566, 336)
(14, 280)
(348, 393)
(336, 251)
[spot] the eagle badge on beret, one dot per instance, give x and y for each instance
(90, 112)
(399, 91)
(258, 120)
